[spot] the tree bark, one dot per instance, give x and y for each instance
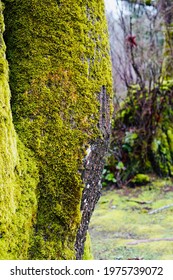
(166, 10)
(93, 166)
(61, 85)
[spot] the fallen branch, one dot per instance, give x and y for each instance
(139, 202)
(160, 209)
(149, 240)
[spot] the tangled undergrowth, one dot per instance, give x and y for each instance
(142, 137)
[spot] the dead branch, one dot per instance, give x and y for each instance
(140, 202)
(160, 209)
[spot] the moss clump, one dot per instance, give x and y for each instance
(59, 59)
(140, 179)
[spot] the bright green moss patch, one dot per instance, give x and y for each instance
(18, 207)
(59, 60)
(88, 249)
(122, 228)
(162, 151)
(18, 177)
(140, 179)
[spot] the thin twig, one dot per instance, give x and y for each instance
(160, 209)
(140, 202)
(149, 240)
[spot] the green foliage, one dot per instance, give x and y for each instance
(120, 165)
(110, 177)
(142, 134)
(107, 177)
(130, 138)
(129, 141)
(59, 59)
(166, 84)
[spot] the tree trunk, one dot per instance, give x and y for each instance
(60, 80)
(162, 145)
(166, 10)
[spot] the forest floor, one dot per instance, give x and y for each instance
(134, 223)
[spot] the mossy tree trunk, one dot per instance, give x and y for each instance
(60, 80)
(18, 175)
(162, 145)
(166, 9)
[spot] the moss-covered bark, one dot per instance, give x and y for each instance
(18, 175)
(60, 80)
(162, 143)
(166, 11)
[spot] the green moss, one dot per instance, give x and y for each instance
(166, 84)
(170, 139)
(18, 177)
(59, 60)
(19, 207)
(162, 151)
(87, 249)
(167, 68)
(141, 179)
(121, 217)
